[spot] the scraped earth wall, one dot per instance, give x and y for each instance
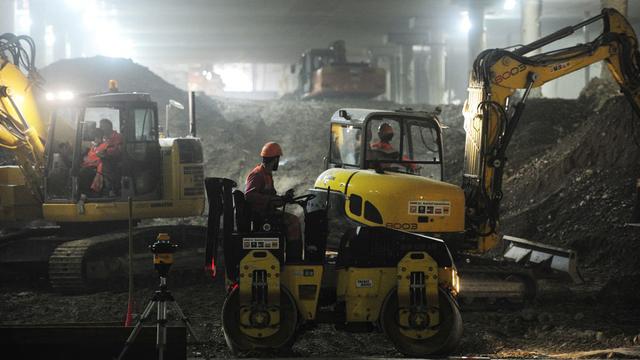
(569, 179)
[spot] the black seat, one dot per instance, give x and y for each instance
(242, 212)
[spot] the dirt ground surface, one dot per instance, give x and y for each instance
(569, 182)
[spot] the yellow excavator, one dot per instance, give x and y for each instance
(55, 221)
(380, 220)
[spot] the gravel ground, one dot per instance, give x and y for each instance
(540, 329)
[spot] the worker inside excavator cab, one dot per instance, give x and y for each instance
(404, 145)
(101, 163)
(384, 147)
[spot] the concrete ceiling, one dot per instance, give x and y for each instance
(205, 31)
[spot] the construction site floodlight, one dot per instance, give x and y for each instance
(176, 104)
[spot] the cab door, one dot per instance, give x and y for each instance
(141, 161)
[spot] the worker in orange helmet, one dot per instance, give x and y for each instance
(262, 196)
(388, 152)
(385, 134)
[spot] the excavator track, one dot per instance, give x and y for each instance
(66, 270)
(67, 264)
(84, 265)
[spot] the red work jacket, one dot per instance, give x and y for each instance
(259, 188)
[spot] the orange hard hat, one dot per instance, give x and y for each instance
(384, 129)
(271, 149)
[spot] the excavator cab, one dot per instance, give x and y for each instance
(406, 142)
(102, 148)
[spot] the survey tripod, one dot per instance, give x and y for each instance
(162, 250)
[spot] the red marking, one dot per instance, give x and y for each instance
(211, 269)
(128, 321)
(233, 287)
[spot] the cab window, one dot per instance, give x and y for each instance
(144, 124)
(421, 143)
(95, 114)
(404, 144)
(345, 145)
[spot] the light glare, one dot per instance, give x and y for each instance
(465, 22)
(509, 4)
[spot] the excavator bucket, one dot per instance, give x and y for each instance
(542, 257)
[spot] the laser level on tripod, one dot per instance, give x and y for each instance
(163, 250)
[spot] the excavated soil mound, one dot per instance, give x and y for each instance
(579, 193)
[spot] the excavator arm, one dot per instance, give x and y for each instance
(490, 118)
(21, 127)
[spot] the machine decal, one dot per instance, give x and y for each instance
(560, 66)
(307, 272)
(437, 208)
(260, 243)
(402, 226)
(509, 73)
(364, 283)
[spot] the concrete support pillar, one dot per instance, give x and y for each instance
(394, 79)
(406, 74)
(38, 20)
(530, 27)
(386, 63)
(60, 46)
(436, 69)
(476, 34)
(421, 77)
(622, 6)
(7, 16)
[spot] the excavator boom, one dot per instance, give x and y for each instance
(21, 127)
(490, 118)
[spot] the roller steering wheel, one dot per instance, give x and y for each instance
(303, 199)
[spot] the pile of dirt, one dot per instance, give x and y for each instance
(578, 192)
(91, 75)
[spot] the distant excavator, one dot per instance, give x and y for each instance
(80, 234)
(407, 243)
(325, 73)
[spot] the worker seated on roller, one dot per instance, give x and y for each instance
(384, 150)
(262, 196)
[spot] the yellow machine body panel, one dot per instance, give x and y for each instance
(99, 211)
(17, 203)
(364, 291)
(259, 263)
(402, 201)
(418, 273)
(303, 281)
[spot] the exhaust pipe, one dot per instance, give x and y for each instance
(192, 113)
